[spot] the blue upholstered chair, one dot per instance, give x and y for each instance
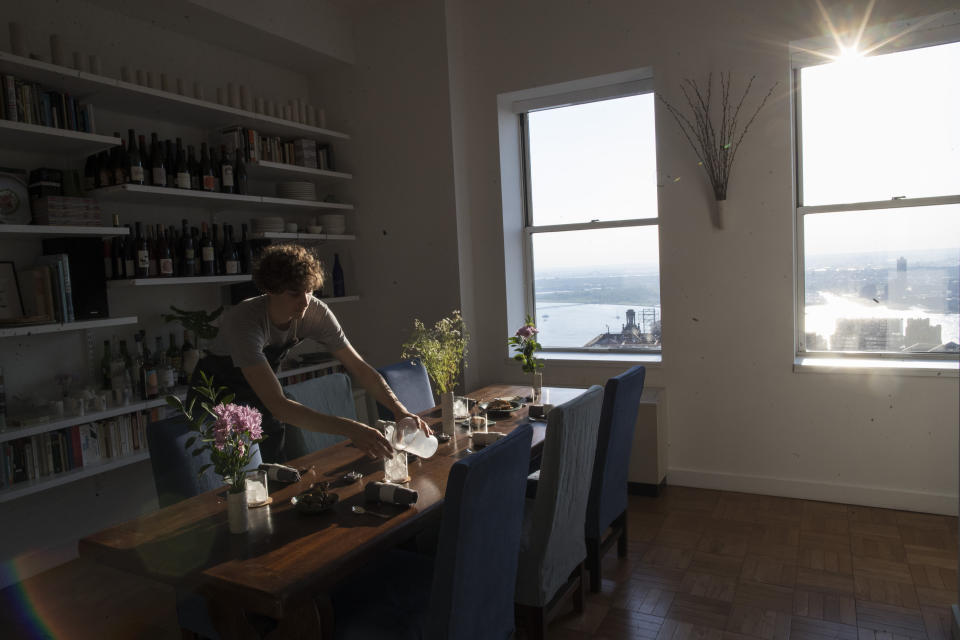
(466, 591)
(409, 381)
(552, 548)
(331, 394)
(175, 475)
(607, 505)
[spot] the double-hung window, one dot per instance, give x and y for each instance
(591, 229)
(878, 196)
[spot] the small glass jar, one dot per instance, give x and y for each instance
(257, 493)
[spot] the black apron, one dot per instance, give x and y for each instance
(226, 375)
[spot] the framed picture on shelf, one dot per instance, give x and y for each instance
(11, 305)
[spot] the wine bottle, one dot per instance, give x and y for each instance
(183, 169)
(134, 159)
(206, 252)
(194, 168)
(240, 174)
(143, 254)
(105, 362)
(207, 178)
(108, 258)
(158, 171)
(118, 161)
(217, 250)
(130, 255)
(117, 252)
(164, 255)
(338, 288)
(175, 360)
(104, 176)
(170, 163)
(231, 257)
(90, 173)
(151, 381)
(188, 251)
(152, 253)
(226, 171)
(190, 357)
(246, 252)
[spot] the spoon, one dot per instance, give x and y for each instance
(360, 511)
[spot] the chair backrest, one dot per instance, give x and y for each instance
(175, 469)
(553, 543)
(330, 394)
(608, 490)
(476, 562)
(410, 383)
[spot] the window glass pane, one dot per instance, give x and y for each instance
(883, 281)
(588, 284)
(881, 127)
(594, 161)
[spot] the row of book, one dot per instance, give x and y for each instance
(32, 103)
(53, 452)
(261, 148)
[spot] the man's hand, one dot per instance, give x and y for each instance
(371, 441)
(421, 423)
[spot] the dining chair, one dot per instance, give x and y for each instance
(176, 475)
(465, 591)
(332, 395)
(409, 381)
(607, 503)
(552, 547)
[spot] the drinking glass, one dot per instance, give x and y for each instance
(395, 466)
(478, 419)
(461, 409)
(257, 493)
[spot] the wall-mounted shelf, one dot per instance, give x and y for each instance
(28, 487)
(159, 282)
(281, 171)
(116, 95)
(35, 138)
(278, 235)
(341, 299)
(15, 433)
(46, 231)
(138, 193)
(60, 327)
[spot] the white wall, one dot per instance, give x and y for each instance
(739, 418)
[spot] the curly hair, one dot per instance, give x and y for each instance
(287, 267)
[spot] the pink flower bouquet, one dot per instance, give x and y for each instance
(524, 342)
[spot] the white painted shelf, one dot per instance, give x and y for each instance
(277, 235)
(307, 369)
(115, 95)
(159, 282)
(341, 299)
(266, 170)
(60, 327)
(15, 433)
(43, 230)
(28, 487)
(35, 138)
(139, 193)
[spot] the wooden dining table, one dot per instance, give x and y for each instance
(286, 564)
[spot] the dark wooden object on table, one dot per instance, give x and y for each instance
(285, 565)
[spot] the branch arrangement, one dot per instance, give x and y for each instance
(716, 145)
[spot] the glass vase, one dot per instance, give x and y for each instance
(536, 388)
(238, 516)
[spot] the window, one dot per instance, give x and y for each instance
(591, 233)
(878, 207)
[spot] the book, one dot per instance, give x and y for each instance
(36, 292)
(89, 444)
(60, 262)
(10, 97)
(75, 448)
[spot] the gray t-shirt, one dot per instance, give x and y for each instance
(245, 330)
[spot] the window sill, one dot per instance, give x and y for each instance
(578, 357)
(882, 366)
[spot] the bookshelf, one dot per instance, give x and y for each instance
(61, 327)
(265, 170)
(278, 235)
(20, 136)
(162, 282)
(57, 231)
(36, 485)
(145, 194)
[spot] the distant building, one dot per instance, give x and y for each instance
(920, 331)
(815, 342)
(867, 334)
(632, 334)
(897, 289)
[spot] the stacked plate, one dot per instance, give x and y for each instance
(266, 224)
(333, 223)
(297, 190)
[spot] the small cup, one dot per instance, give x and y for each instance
(55, 407)
(73, 406)
(291, 227)
(461, 408)
(257, 493)
(479, 424)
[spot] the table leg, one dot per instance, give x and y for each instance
(308, 621)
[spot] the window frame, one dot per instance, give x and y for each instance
(939, 29)
(522, 109)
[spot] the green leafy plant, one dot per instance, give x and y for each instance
(442, 349)
(196, 322)
(228, 431)
(524, 342)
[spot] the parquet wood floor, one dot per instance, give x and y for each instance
(702, 565)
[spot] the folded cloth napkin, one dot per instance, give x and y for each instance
(391, 493)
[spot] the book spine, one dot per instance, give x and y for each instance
(89, 122)
(76, 448)
(35, 447)
(67, 287)
(10, 97)
(48, 450)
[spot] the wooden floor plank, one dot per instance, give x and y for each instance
(890, 619)
(825, 606)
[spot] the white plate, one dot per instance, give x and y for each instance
(14, 200)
